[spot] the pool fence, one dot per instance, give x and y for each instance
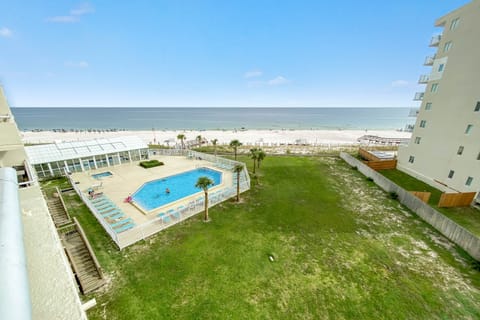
(182, 212)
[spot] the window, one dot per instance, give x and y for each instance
(423, 123)
(454, 24)
(441, 67)
(469, 129)
(477, 107)
(417, 140)
(411, 159)
(434, 87)
(447, 46)
(460, 150)
(428, 106)
(450, 174)
(469, 181)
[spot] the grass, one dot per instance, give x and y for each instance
(342, 250)
(468, 217)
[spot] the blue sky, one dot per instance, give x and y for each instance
(249, 53)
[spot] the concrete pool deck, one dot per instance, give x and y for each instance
(128, 178)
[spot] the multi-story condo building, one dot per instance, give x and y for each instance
(36, 281)
(444, 150)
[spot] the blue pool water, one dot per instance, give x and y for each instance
(152, 195)
(101, 175)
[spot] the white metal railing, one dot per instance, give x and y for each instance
(94, 210)
(435, 40)
(418, 96)
(413, 112)
(423, 78)
(429, 60)
(151, 227)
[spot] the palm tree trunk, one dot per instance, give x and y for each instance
(206, 206)
(235, 153)
(238, 186)
(254, 165)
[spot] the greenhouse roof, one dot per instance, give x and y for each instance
(78, 149)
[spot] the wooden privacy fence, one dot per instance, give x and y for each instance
(367, 155)
(424, 196)
(375, 162)
(456, 199)
(382, 164)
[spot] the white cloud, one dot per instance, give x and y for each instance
(277, 81)
(79, 64)
(400, 83)
(63, 19)
(84, 8)
(5, 32)
(252, 74)
(74, 15)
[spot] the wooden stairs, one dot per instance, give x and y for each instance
(58, 210)
(82, 258)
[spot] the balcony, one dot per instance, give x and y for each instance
(413, 112)
(424, 79)
(418, 96)
(429, 60)
(435, 40)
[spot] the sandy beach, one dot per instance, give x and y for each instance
(248, 137)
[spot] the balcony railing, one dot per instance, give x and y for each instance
(429, 60)
(414, 112)
(419, 96)
(435, 40)
(423, 79)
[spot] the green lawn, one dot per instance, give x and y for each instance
(467, 217)
(342, 250)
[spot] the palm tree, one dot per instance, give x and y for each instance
(238, 169)
(254, 153)
(214, 142)
(235, 144)
(199, 140)
(204, 183)
(182, 137)
(261, 156)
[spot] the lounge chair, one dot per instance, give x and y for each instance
(121, 222)
(124, 227)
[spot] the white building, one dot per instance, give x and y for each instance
(36, 281)
(51, 159)
(444, 150)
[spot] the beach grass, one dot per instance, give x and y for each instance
(341, 249)
(468, 217)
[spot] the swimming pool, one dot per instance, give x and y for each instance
(152, 194)
(101, 175)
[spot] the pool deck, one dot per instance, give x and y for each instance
(127, 178)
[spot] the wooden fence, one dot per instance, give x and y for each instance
(375, 162)
(367, 155)
(382, 164)
(424, 196)
(456, 199)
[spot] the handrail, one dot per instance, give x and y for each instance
(14, 290)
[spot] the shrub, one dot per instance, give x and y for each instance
(370, 179)
(355, 168)
(151, 164)
(393, 195)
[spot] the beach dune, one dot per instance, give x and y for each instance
(247, 137)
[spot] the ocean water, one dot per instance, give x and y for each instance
(211, 118)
